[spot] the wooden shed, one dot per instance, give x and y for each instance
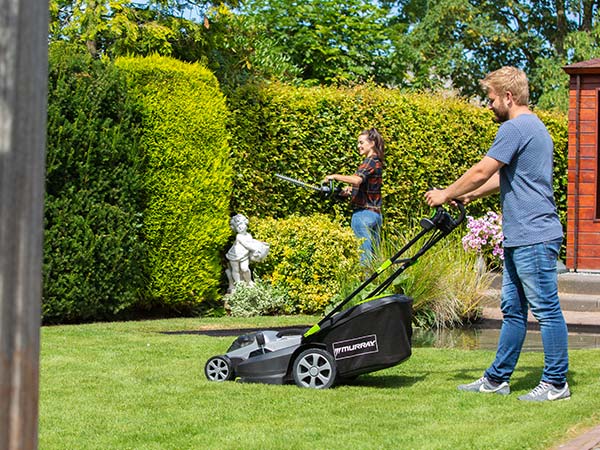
(583, 193)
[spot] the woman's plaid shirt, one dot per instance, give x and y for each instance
(368, 194)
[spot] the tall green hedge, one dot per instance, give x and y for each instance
(93, 250)
(307, 133)
(187, 180)
(140, 181)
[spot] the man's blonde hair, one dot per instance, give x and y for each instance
(508, 79)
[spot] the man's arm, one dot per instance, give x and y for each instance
(491, 186)
(480, 180)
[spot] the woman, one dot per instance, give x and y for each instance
(365, 191)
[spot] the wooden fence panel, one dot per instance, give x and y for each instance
(23, 94)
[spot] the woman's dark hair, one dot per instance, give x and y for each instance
(374, 136)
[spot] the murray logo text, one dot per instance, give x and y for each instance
(355, 347)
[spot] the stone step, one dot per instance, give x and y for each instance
(568, 301)
(579, 283)
(568, 282)
(577, 291)
(577, 321)
(579, 302)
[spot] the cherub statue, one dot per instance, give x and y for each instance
(242, 252)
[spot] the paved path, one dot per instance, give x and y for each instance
(587, 441)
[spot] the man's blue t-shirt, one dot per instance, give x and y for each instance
(529, 214)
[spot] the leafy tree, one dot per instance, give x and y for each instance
(580, 44)
(453, 43)
(412, 44)
(119, 27)
(241, 49)
(235, 47)
(329, 40)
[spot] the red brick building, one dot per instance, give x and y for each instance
(583, 194)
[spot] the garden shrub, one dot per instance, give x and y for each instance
(187, 180)
(93, 267)
(307, 133)
(309, 257)
(258, 299)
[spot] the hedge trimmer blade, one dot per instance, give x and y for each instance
(325, 190)
(300, 183)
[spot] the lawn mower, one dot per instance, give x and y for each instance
(372, 335)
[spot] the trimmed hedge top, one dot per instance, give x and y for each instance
(307, 133)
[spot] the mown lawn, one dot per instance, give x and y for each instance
(129, 386)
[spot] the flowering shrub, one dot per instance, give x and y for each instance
(485, 237)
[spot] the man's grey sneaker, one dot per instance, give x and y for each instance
(484, 385)
(547, 392)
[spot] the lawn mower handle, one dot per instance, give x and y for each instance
(462, 211)
(438, 226)
(442, 220)
(452, 222)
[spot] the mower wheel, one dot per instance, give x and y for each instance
(218, 368)
(314, 368)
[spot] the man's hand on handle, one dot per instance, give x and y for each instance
(436, 197)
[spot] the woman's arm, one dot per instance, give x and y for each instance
(354, 180)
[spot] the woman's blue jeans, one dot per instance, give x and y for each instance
(366, 225)
(530, 280)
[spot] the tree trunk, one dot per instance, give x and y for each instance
(588, 14)
(561, 27)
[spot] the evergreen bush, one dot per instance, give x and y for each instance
(94, 254)
(187, 179)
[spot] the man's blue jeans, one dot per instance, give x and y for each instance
(366, 225)
(530, 280)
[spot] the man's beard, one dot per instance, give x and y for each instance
(500, 114)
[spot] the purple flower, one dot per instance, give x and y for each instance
(485, 236)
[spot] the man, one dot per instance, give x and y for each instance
(519, 165)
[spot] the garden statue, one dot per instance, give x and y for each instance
(244, 250)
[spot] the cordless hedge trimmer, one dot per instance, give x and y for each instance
(326, 189)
